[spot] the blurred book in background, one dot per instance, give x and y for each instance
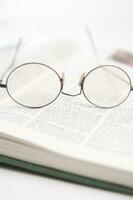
(123, 56)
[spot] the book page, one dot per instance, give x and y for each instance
(74, 120)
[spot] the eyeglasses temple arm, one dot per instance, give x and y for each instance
(120, 78)
(95, 52)
(12, 61)
(93, 45)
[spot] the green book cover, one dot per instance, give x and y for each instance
(55, 173)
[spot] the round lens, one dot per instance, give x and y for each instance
(106, 86)
(33, 85)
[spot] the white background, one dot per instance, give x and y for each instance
(111, 24)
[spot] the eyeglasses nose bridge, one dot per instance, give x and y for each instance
(81, 79)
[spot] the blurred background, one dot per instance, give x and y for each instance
(38, 21)
(110, 21)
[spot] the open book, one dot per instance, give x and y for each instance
(70, 139)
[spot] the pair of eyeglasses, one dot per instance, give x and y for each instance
(36, 85)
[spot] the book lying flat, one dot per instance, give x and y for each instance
(70, 139)
(26, 155)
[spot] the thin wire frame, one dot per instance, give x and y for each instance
(61, 85)
(44, 65)
(109, 107)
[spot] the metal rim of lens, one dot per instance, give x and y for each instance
(29, 63)
(101, 67)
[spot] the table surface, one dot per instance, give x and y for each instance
(110, 22)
